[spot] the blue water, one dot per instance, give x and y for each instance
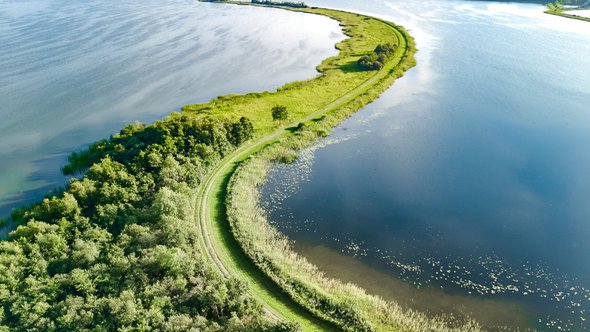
(73, 72)
(472, 172)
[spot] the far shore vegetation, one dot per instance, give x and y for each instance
(120, 248)
(568, 8)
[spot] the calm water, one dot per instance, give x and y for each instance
(72, 72)
(471, 174)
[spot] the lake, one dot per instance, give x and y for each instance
(73, 72)
(467, 182)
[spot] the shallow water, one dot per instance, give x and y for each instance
(73, 72)
(471, 174)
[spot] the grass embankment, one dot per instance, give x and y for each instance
(319, 104)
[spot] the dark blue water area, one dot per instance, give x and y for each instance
(471, 172)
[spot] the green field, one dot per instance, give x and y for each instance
(339, 76)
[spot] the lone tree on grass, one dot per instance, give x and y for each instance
(279, 113)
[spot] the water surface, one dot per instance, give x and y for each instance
(471, 174)
(73, 72)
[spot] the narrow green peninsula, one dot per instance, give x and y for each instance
(163, 232)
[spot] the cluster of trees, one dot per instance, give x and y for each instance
(281, 3)
(377, 58)
(203, 139)
(118, 250)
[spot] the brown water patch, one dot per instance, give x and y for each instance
(493, 314)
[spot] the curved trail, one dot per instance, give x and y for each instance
(216, 238)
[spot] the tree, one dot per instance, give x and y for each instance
(279, 113)
(385, 49)
(377, 59)
(240, 131)
(370, 62)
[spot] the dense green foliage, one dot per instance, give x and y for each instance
(280, 3)
(118, 250)
(554, 6)
(279, 113)
(202, 139)
(377, 58)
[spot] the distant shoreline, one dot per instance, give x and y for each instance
(563, 12)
